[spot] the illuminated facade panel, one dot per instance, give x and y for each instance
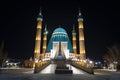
(59, 35)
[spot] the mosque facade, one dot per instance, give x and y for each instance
(59, 46)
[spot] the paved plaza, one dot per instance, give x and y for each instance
(27, 74)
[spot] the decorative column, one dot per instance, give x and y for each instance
(44, 40)
(38, 38)
(81, 37)
(74, 40)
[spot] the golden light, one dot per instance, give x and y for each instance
(82, 51)
(74, 38)
(37, 38)
(44, 38)
(39, 26)
(81, 38)
(80, 24)
(44, 47)
(74, 47)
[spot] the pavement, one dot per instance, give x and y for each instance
(27, 74)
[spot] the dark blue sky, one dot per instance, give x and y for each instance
(18, 23)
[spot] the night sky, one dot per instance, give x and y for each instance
(18, 24)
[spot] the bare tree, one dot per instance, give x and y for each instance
(3, 55)
(113, 55)
(1, 50)
(4, 58)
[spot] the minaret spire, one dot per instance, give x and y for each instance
(74, 40)
(73, 31)
(81, 37)
(79, 12)
(44, 40)
(40, 16)
(45, 30)
(37, 51)
(40, 13)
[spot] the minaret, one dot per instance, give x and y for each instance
(44, 40)
(81, 37)
(38, 37)
(74, 40)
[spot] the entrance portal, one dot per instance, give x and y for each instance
(60, 51)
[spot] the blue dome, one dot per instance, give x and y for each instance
(59, 30)
(59, 35)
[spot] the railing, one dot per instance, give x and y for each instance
(88, 70)
(40, 66)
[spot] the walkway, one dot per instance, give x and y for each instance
(27, 74)
(50, 69)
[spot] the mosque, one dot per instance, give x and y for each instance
(59, 47)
